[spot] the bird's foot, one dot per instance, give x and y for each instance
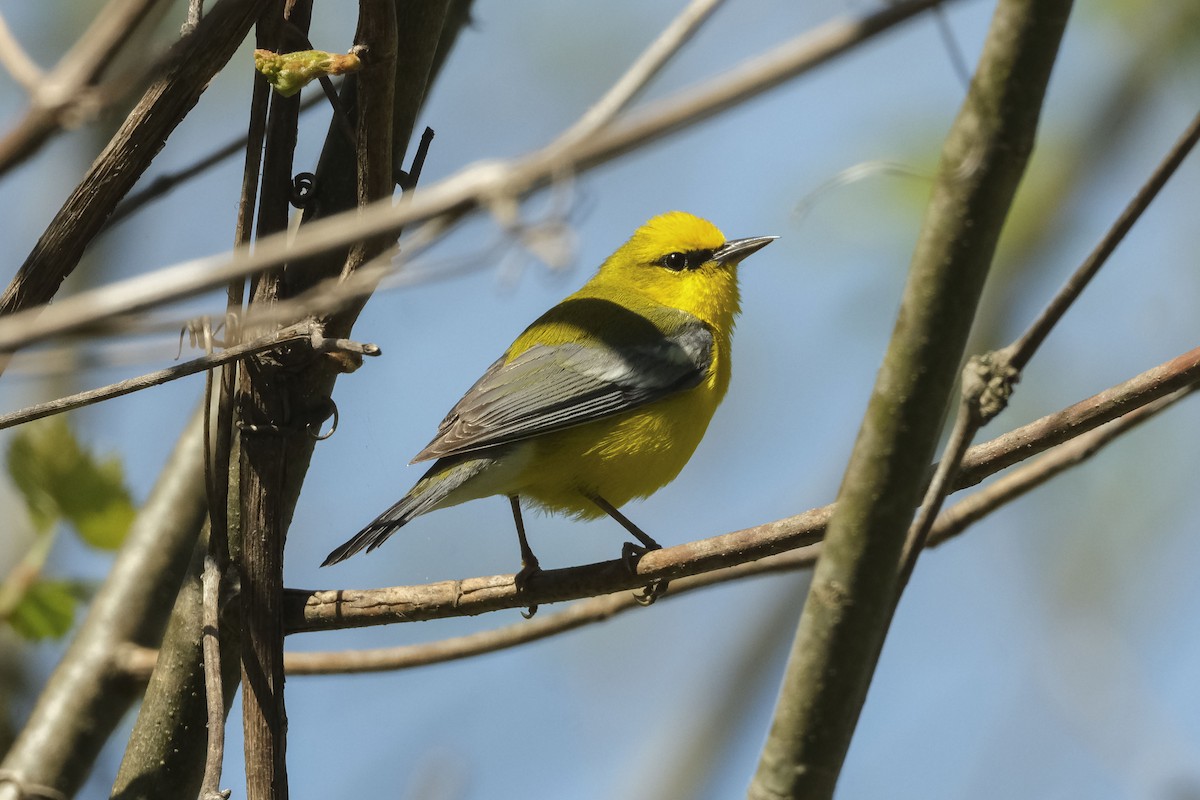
(529, 568)
(630, 555)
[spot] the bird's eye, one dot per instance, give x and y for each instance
(676, 262)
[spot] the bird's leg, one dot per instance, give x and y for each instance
(529, 562)
(630, 552)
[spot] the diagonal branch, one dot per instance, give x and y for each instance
(192, 64)
(641, 72)
(57, 96)
(852, 595)
(138, 662)
(311, 610)
(988, 380)
(464, 191)
(296, 333)
(24, 69)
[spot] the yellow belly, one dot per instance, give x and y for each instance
(626, 456)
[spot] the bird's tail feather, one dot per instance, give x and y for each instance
(430, 491)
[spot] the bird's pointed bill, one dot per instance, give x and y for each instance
(735, 250)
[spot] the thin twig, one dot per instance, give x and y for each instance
(1019, 352)
(988, 380)
(24, 69)
(309, 610)
(678, 33)
(976, 391)
(958, 61)
(159, 377)
(216, 561)
(459, 193)
(210, 788)
(1007, 488)
(59, 94)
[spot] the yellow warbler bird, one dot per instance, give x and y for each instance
(602, 399)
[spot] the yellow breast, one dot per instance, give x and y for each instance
(626, 456)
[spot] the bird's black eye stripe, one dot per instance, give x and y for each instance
(693, 259)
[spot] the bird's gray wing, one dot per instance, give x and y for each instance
(551, 387)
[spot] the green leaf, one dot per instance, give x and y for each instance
(60, 479)
(46, 611)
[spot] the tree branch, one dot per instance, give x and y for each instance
(678, 33)
(139, 662)
(967, 512)
(269, 429)
(475, 185)
(160, 757)
(988, 380)
(191, 66)
(312, 610)
(57, 96)
(296, 333)
(852, 595)
(24, 70)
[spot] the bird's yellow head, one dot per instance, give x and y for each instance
(679, 260)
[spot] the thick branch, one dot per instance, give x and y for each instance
(851, 598)
(264, 404)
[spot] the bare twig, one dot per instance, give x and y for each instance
(309, 610)
(971, 509)
(967, 422)
(138, 662)
(210, 788)
(297, 333)
(1019, 352)
(459, 193)
(988, 380)
(58, 95)
(24, 69)
(988, 457)
(642, 71)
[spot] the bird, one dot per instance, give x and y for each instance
(603, 399)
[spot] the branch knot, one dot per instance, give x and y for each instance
(987, 383)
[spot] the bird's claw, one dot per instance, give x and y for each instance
(651, 592)
(529, 568)
(630, 554)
